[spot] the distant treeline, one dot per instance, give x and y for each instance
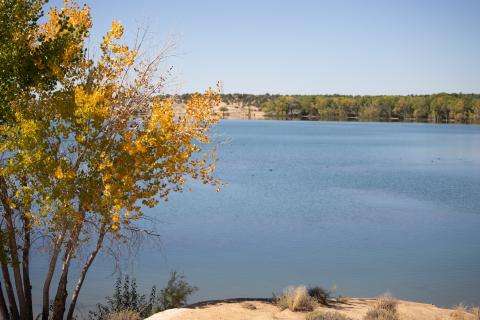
(241, 99)
(458, 108)
(442, 107)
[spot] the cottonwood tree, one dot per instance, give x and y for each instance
(82, 158)
(35, 56)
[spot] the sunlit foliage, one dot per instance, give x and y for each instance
(87, 144)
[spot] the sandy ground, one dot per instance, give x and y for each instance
(230, 111)
(355, 308)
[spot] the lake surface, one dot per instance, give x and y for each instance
(365, 207)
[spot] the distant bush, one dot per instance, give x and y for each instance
(320, 295)
(126, 299)
(385, 308)
(320, 315)
(124, 315)
(296, 299)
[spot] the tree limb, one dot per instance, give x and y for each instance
(50, 272)
(84, 271)
(61, 295)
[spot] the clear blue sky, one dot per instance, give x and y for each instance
(301, 47)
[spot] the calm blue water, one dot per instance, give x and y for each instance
(367, 207)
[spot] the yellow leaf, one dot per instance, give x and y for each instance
(59, 173)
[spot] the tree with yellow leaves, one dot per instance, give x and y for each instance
(83, 155)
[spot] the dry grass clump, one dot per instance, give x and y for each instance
(460, 313)
(386, 302)
(385, 308)
(124, 315)
(463, 313)
(296, 299)
(380, 314)
(476, 313)
(320, 315)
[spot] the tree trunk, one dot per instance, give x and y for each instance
(3, 306)
(61, 295)
(13, 246)
(50, 272)
(84, 271)
(9, 291)
(27, 287)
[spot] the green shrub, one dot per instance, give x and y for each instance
(320, 315)
(175, 293)
(319, 294)
(126, 298)
(124, 315)
(296, 299)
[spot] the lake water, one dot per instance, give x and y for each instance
(367, 207)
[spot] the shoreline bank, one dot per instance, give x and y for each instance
(264, 309)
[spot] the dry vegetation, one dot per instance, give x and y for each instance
(124, 315)
(320, 295)
(385, 308)
(315, 303)
(321, 315)
(354, 309)
(296, 299)
(476, 312)
(461, 312)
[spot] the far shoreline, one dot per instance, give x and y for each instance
(371, 121)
